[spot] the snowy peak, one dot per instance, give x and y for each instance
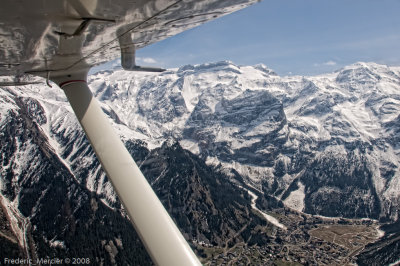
(277, 133)
(169, 99)
(366, 73)
(225, 66)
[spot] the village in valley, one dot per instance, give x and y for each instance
(308, 239)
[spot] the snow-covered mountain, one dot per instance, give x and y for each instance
(313, 142)
(326, 145)
(55, 202)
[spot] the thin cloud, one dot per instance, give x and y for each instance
(330, 63)
(149, 60)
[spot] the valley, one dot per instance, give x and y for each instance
(254, 168)
(307, 239)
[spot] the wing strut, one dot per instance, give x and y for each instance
(159, 234)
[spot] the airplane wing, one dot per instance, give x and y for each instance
(53, 35)
(62, 39)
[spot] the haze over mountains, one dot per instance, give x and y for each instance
(204, 136)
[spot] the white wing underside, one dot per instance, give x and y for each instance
(59, 35)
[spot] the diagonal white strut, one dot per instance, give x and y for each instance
(159, 234)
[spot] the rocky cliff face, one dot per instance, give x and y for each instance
(202, 135)
(52, 214)
(52, 207)
(312, 142)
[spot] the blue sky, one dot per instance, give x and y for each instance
(299, 37)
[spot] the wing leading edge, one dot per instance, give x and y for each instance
(55, 35)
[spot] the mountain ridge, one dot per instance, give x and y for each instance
(324, 145)
(212, 110)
